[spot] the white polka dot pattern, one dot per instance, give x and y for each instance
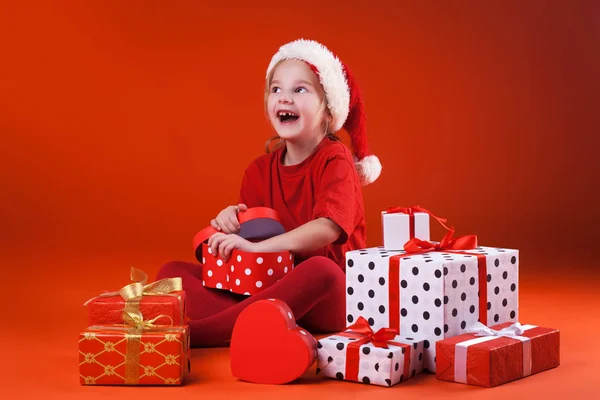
(377, 366)
(244, 273)
(438, 292)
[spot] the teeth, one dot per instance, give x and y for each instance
(286, 114)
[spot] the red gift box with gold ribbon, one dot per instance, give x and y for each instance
(245, 272)
(379, 358)
(135, 353)
(163, 297)
(493, 356)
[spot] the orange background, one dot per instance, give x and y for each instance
(126, 126)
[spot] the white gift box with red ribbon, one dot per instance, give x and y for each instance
(399, 225)
(245, 272)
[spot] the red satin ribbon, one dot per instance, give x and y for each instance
(362, 329)
(417, 246)
(448, 244)
(411, 213)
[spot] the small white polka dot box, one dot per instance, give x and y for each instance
(433, 295)
(400, 224)
(245, 272)
(499, 354)
(365, 358)
(112, 355)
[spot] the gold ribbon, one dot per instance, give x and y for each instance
(133, 292)
(134, 339)
(134, 328)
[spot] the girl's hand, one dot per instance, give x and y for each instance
(227, 220)
(222, 245)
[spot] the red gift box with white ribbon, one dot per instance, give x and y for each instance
(245, 272)
(493, 356)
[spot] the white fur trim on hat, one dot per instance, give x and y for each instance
(369, 169)
(331, 74)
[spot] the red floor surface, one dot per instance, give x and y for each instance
(41, 356)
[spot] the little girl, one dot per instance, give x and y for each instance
(312, 180)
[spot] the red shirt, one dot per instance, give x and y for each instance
(326, 184)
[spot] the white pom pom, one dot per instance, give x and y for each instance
(369, 169)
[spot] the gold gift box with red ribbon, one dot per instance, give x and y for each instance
(493, 356)
(245, 272)
(135, 353)
(163, 297)
(379, 358)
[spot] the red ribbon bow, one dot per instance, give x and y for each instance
(381, 339)
(378, 339)
(467, 242)
(412, 210)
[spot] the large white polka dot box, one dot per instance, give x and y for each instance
(434, 295)
(245, 272)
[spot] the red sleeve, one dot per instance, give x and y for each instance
(336, 196)
(252, 184)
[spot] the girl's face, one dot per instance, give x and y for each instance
(294, 102)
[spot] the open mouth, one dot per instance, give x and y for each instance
(286, 117)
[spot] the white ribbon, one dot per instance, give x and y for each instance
(486, 334)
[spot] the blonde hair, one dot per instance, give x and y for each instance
(323, 111)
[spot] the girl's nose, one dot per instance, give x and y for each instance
(285, 98)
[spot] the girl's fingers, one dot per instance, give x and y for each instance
(216, 243)
(229, 247)
(214, 224)
(224, 224)
(223, 249)
(234, 222)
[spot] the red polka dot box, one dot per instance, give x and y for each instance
(245, 272)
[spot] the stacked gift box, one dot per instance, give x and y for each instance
(441, 294)
(136, 335)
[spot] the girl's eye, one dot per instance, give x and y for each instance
(301, 90)
(275, 89)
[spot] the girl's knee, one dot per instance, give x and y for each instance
(323, 269)
(322, 263)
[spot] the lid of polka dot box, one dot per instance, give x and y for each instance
(256, 223)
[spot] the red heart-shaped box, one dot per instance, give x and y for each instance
(267, 346)
(245, 273)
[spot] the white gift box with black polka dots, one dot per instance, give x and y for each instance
(396, 229)
(376, 365)
(438, 292)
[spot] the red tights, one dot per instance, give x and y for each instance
(314, 290)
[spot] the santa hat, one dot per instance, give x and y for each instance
(344, 99)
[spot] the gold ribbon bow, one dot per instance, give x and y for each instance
(135, 320)
(133, 292)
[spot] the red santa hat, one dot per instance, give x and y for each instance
(344, 99)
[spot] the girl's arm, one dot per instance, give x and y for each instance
(311, 236)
